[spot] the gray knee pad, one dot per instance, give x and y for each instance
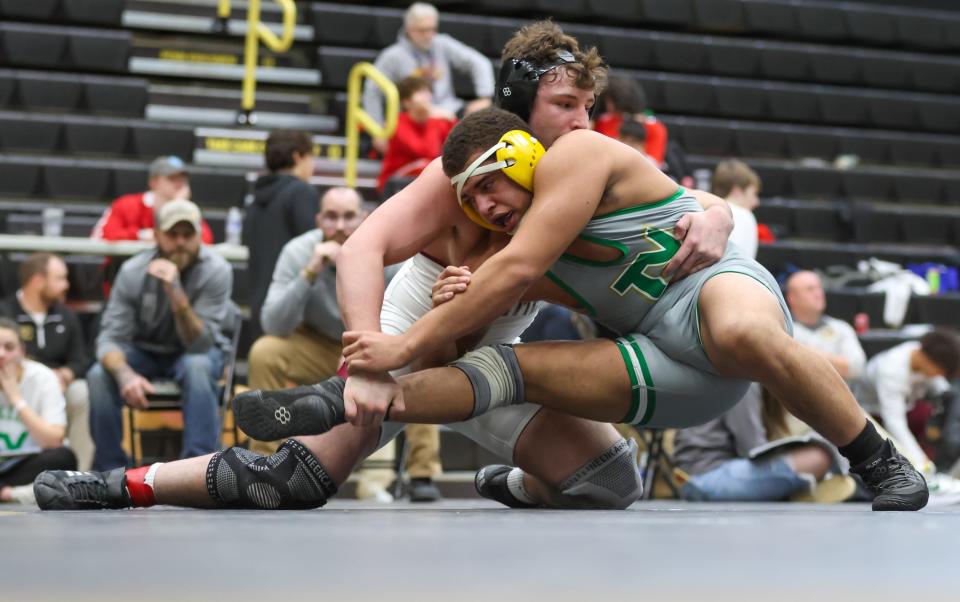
(611, 481)
(495, 376)
(291, 479)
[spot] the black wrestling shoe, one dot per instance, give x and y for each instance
(895, 483)
(423, 489)
(491, 483)
(73, 490)
(306, 410)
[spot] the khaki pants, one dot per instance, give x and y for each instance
(78, 423)
(302, 358)
(423, 447)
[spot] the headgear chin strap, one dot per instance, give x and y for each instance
(519, 79)
(517, 154)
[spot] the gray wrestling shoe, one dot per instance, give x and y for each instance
(74, 490)
(306, 410)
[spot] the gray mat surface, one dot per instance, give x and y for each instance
(475, 550)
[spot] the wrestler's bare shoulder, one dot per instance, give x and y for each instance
(456, 239)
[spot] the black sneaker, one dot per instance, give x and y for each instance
(307, 410)
(491, 483)
(424, 490)
(73, 490)
(895, 483)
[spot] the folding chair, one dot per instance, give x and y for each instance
(168, 397)
(658, 463)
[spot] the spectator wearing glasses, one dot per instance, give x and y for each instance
(302, 329)
(300, 316)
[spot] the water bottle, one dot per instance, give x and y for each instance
(52, 221)
(234, 227)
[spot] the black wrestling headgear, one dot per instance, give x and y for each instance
(519, 79)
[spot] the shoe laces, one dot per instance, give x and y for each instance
(88, 490)
(895, 471)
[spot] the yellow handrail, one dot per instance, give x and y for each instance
(256, 32)
(357, 116)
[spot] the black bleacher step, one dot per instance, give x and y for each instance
(778, 256)
(340, 24)
(219, 106)
(58, 47)
(711, 136)
(335, 63)
(837, 105)
(212, 117)
(172, 57)
(860, 222)
(94, 12)
(40, 10)
(801, 178)
(53, 91)
(228, 98)
(83, 135)
(201, 18)
(670, 51)
(85, 178)
(72, 225)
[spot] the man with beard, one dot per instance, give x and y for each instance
(52, 335)
(163, 320)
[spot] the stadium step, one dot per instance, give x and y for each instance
(786, 256)
(200, 17)
(173, 57)
(207, 105)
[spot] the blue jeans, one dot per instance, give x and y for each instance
(196, 373)
(743, 480)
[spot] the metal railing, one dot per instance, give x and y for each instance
(258, 32)
(356, 116)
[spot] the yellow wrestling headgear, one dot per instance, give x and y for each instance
(517, 153)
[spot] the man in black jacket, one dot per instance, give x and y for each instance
(53, 336)
(284, 207)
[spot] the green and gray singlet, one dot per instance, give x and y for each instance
(673, 381)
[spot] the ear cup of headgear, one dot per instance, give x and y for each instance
(521, 154)
(519, 79)
(516, 90)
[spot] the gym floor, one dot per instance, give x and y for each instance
(476, 550)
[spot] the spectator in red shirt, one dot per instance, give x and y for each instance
(421, 129)
(624, 99)
(130, 217)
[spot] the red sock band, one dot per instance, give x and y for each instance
(141, 494)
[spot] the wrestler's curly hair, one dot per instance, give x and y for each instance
(477, 132)
(539, 42)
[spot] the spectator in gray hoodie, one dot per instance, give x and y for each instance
(421, 52)
(163, 320)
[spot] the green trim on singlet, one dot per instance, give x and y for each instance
(627, 210)
(606, 242)
(651, 391)
(634, 388)
(569, 290)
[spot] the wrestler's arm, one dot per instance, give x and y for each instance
(567, 196)
(704, 236)
(401, 227)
